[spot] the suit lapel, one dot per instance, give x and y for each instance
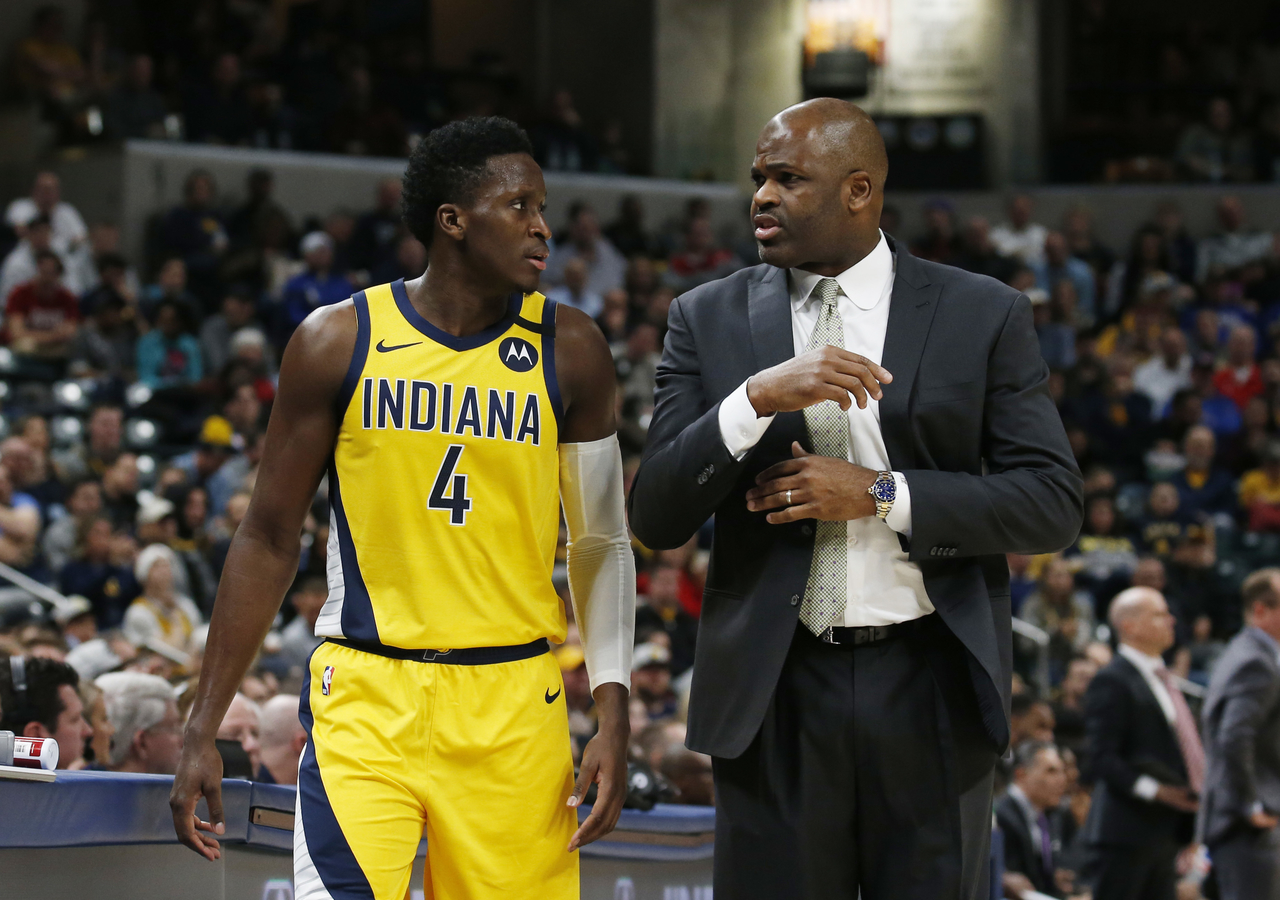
(769, 312)
(911, 309)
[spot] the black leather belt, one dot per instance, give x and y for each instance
(463, 656)
(859, 635)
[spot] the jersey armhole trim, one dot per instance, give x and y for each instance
(549, 363)
(358, 355)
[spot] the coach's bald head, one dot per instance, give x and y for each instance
(1141, 618)
(819, 172)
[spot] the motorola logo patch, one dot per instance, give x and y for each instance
(517, 354)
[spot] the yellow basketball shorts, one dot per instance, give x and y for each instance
(477, 755)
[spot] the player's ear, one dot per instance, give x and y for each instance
(858, 190)
(452, 221)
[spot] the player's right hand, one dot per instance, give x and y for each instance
(824, 373)
(199, 775)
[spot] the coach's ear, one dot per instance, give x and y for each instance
(452, 221)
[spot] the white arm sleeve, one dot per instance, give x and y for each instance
(602, 571)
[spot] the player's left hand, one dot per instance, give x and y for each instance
(822, 487)
(604, 762)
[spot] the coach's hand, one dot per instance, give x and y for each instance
(199, 775)
(604, 762)
(825, 373)
(821, 487)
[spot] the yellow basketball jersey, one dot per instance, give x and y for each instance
(444, 481)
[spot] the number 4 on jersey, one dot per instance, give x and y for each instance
(457, 504)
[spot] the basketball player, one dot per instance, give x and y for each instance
(452, 414)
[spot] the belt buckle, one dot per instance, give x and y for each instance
(829, 636)
(431, 655)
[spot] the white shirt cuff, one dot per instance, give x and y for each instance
(899, 518)
(740, 427)
(1145, 787)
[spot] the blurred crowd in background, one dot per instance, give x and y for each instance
(137, 391)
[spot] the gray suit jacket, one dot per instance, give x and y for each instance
(1241, 720)
(969, 389)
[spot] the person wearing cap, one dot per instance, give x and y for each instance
(214, 447)
(161, 614)
(318, 285)
(77, 621)
(1260, 490)
(651, 680)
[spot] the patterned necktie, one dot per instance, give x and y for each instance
(1046, 846)
(1184, 725)
(826, 592)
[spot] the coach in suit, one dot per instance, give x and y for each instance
(1027, 816)
(852, 674)
(1145, 753)
(1238, 814)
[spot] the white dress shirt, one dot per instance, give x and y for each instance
(884, 586)
(1146, 786)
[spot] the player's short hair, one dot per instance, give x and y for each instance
(449, 164)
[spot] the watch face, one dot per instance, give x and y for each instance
(885, 490)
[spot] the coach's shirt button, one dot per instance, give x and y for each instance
(795, 599)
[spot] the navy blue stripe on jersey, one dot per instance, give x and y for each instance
(358, 355)
(326, 844)
(549, 363)
(444, 338)
(357, 608)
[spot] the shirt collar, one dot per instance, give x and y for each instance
(863, 282)
(1020, 797)
(1147, 664)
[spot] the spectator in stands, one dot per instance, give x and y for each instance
(148, 727)
(1166, 525)
(1021, 583)
(238, 311)
(217, 108)
(1068, 709)
(1058, 264)
(980, 255)
(193, 232)
(1234, 246)
(170, 284)
(660, 611)
(100, 570)
(1082, 243)
(98, 749)
(1166, 373)
(577, 695)
(1027, 815)
(135, 109)
(298, 638)
(1204, 488)
(242, 724)
(1148, 254)
(281, 738)
(377, 232)
(689, 773)
(1063, 612)
(83, 501)
(940, 243)
(573, 292)
(627, 233)
(105, 429)
(50, 707)
(700, 260)
(1240, 380)
(1052, 318)
(1214, 150)
(651, 680)
(606, 267)
(1260, 491)
(319, 285)
(68, 228)
(246, 220)
(365, 124)
(409, 262)
(106, 344)
(48, 68)
(1118, 418)
(168, 354)
(21, 265)
(119, 486)
(1104, 555)
(560, 142)
(41, 315)
(1030, 719)
(236, 507)
(1020, 237)
(160, 614)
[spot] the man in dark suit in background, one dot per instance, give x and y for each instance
(1238, 814)
(1027, 816)
(1145, 753)
(834, 409)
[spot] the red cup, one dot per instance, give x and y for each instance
(35, 753)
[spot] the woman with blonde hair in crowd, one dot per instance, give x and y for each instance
(98, 751)
(161, 614)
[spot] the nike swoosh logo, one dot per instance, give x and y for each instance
(551, 698)
(382, 348)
